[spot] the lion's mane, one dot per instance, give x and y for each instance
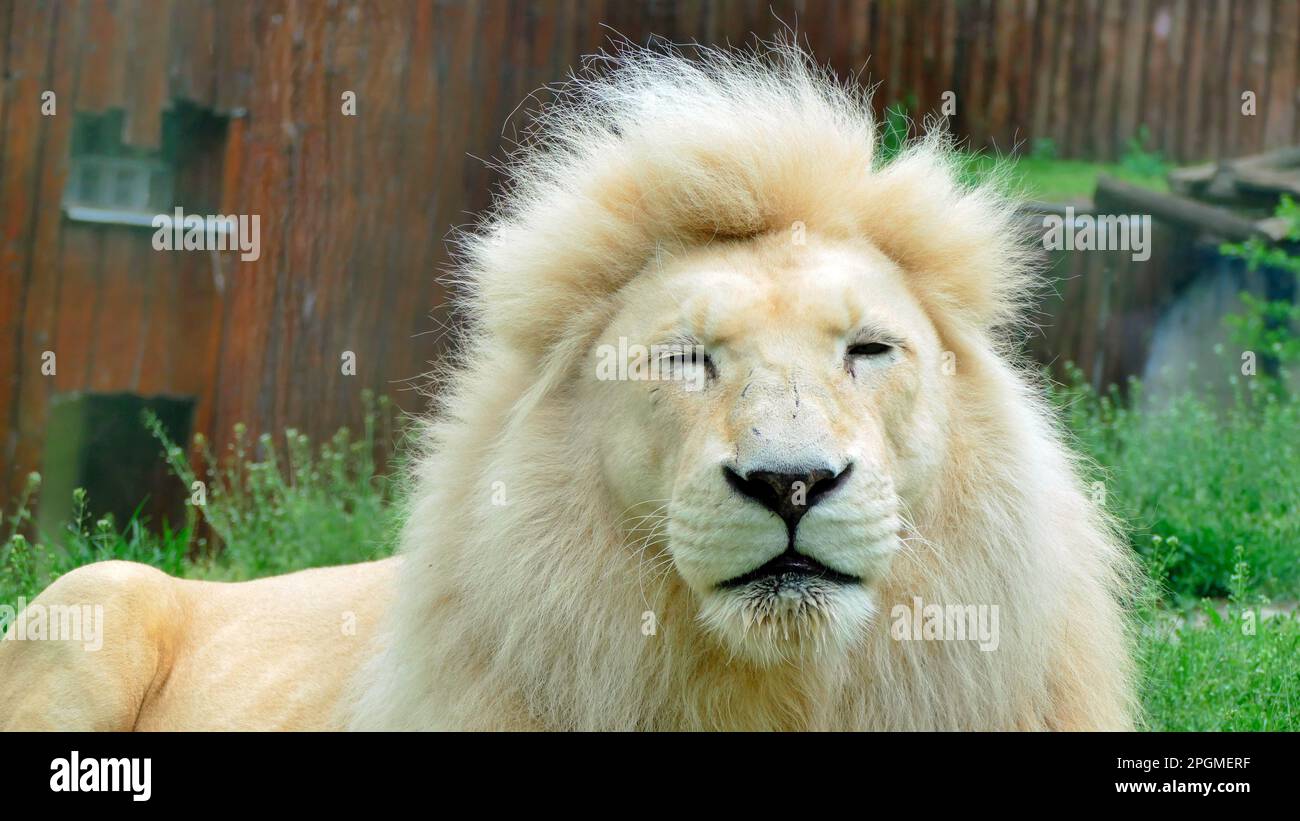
(519, 603)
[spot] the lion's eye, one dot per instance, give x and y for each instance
(869, 349)
(689, 357)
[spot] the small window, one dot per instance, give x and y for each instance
(126, 186)
(112, 182)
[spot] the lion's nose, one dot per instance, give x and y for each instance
(788, 495)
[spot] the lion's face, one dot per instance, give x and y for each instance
(777, 411)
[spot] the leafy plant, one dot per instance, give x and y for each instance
(265, 509)
(1043, 148)
(1195, 480)
(27, 566)
(1140, 161)
(1233, 666)
(1268, 326)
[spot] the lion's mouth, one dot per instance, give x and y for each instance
(792, 567)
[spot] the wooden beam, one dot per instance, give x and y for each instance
(1116, 196)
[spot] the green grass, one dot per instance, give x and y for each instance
(1040, 175)
(1195, 483)
(1239, 672)
(1053, 180)
(1233, 665)
(1211, 498)
(267, 507)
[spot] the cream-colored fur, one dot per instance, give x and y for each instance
(570, 539)
(179, 654)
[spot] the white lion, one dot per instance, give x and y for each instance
(833, 435)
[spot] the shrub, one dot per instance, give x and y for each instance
(266, 509)
(1201, 480)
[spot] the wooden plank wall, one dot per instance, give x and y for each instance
(355, 209)
(1085, 73)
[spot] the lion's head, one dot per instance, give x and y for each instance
(732, 389)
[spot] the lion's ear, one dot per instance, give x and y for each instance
(966, 247)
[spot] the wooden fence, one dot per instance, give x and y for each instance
(1086, 74)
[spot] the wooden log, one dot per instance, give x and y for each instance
(1222, 185)
(1192, 179)
(1113, 194)
(1268, 180)
(1278, 158)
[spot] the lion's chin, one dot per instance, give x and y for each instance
(777, 620)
